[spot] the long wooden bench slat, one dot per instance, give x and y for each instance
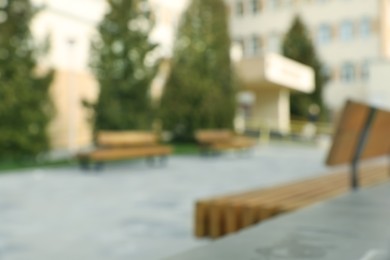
(226, 214)
(123, 153)
(212, 136)
(235, 143)
(379, 177)
(206, 205)
(120, 145)
(236, 221)
(362, 132)
(203, 207)
(222, 139)
(125, 138)
(253, 214)
(367, 182)
(256, 212)
(217, 217)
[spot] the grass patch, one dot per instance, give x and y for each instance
(14, 165)
(19, 165)
(185, 148)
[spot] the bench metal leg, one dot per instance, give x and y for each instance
(163, 160)
(216, 153)
(157, 160)
(99, 166)
(249, 151)
(84, 164)
(150, 161)
(204, 151)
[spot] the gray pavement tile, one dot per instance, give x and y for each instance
(328, 231)
(130, 210)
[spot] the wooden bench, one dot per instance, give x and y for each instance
(120, 145)
(218, 216)
(219, 140)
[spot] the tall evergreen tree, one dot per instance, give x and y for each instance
(298, 45)
(118, 59)
(200, 92)
(25, 107)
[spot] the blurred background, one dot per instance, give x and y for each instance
(284, 57)
(278, 71)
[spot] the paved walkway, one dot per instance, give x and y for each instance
(354, 226)
(129, 210)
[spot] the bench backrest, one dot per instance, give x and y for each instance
(213, 136)
(360, 121)
(126, 138)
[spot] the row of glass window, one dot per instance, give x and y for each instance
(257, 45)
(346, 31)
(243, 7)
(349, 72)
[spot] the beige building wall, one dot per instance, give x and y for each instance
(385, 28)
(71, 25)
(269, 79)
(272, 106)
(379, 90)
(70, 129)
(274, 17)
(70, 32)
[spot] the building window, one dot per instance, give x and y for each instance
(274, 43)
(324, 34)
(365, 27)
(365, 71)
(284, 3)
(348, 73)
(240, 8)
(273, 4)
(241, 45)
(255, 6)
(346, 31)
(326, 72)
(254, 45)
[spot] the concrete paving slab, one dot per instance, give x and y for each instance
(130, 210)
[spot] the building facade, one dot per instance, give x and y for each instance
(70, 26)
(351, 37)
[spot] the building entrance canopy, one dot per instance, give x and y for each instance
(265, 95)
(274, 70)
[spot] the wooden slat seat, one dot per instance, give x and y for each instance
(223, 215)
(127, 153)
(362, 134)
(120, 145)
(219, 140)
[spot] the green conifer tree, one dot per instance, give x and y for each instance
(118, 60)
(298, 45)
(25, 107)
(200, 91)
